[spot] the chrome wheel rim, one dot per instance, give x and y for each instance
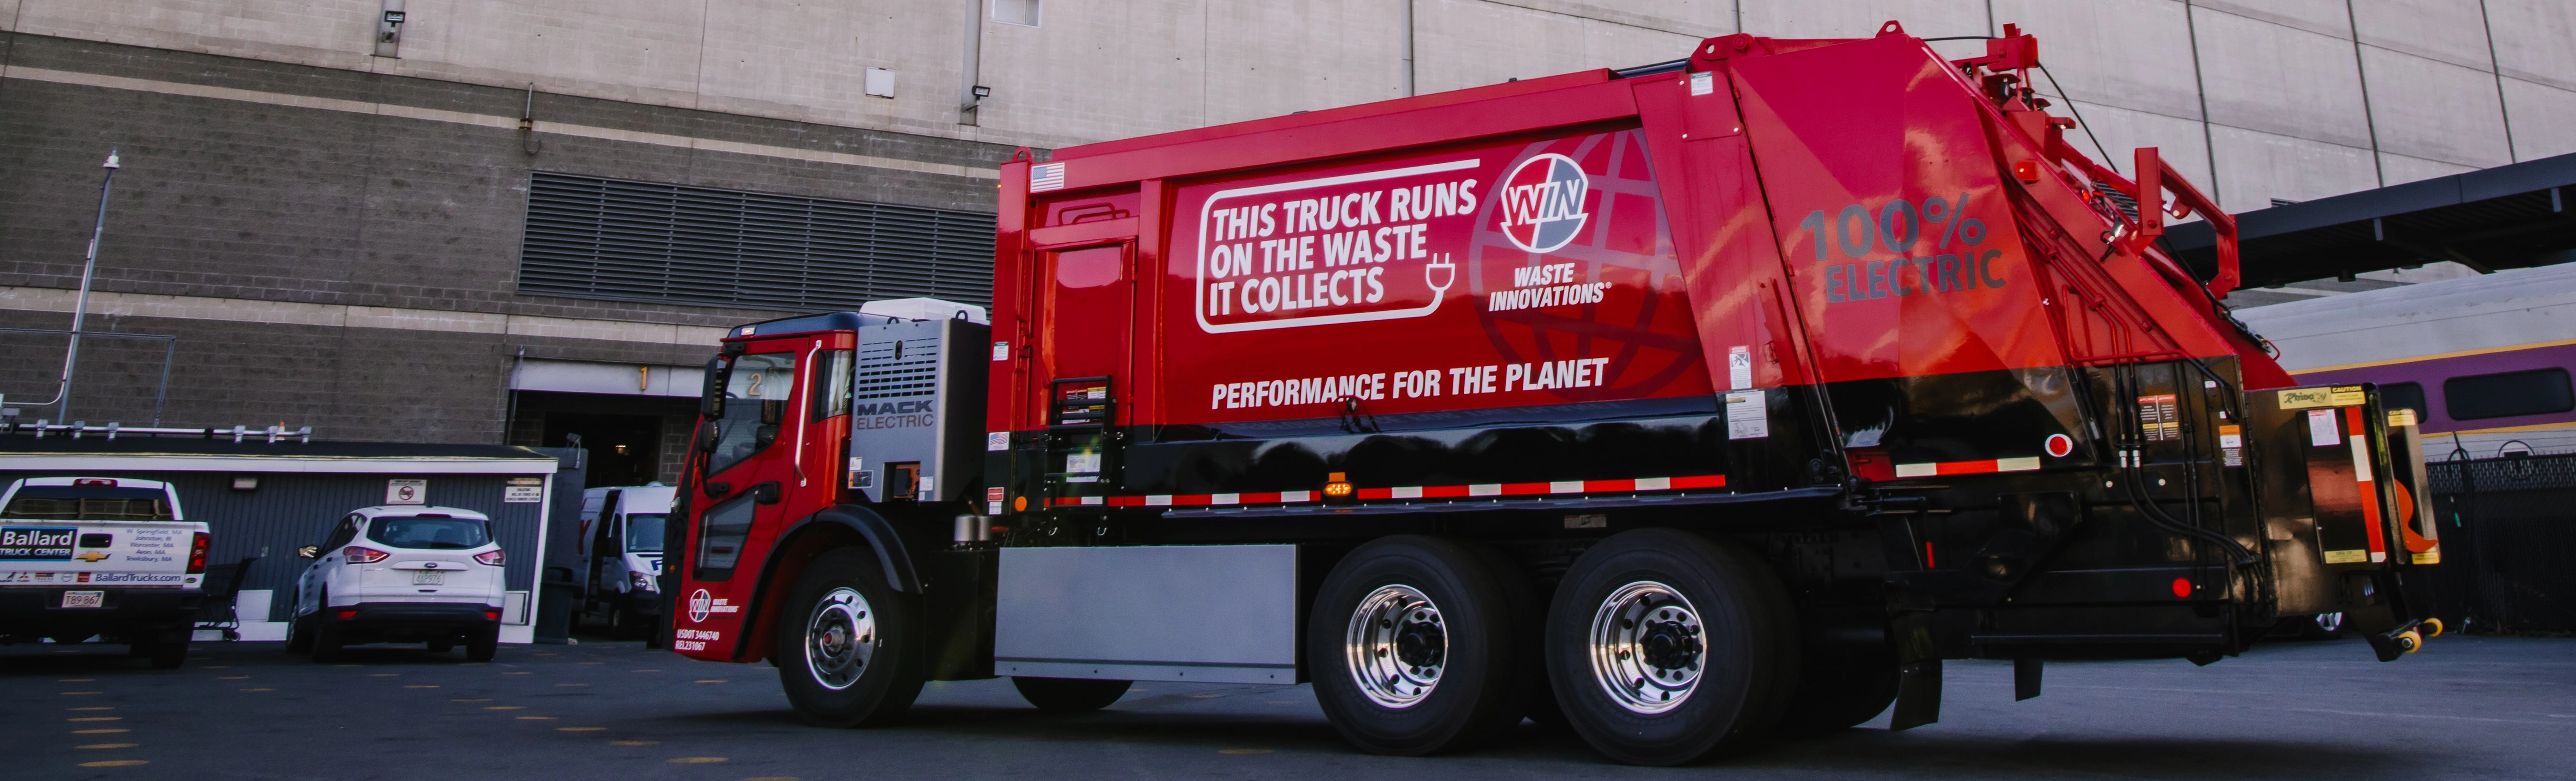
(2329, 622)
(840, 638)
(1647, 647)
(1397, 646)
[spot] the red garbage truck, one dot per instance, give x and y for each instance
(1680, 405)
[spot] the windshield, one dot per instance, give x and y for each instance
(431, 533)
(88, 503)
(756, 403)
(644, 533)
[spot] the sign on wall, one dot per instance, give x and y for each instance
(524, 490)
(407, 492)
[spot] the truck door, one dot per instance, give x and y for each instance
(755, 458)
(1085, 313)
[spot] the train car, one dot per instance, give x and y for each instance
(2483, 361)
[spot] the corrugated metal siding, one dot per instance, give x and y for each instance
(291, 509)
(589, 237)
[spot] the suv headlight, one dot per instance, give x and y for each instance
(642, 582)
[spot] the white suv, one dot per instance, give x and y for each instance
(401, 575)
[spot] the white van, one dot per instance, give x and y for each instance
(111, 557)
(621, 554)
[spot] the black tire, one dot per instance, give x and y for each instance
(165, 654)
(299, 633)
(327, 645)
(1069, 695)
(482, 646)
(864, 667)
(1710, 621)
(1480, 678)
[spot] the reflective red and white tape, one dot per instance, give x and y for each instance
(1470, 491)
(2024, 464)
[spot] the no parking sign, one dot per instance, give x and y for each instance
(406, 492)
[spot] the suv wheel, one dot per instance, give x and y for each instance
(848, 648)
(483, 645)
(299, 633)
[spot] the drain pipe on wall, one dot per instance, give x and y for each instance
(80, 310)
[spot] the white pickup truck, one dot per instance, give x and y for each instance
(104, 557)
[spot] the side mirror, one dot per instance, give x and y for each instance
(309, 552)
(711, 398)
(707, 436)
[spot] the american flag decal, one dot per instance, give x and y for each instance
(1049, 176)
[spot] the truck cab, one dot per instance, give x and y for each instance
(107, 557)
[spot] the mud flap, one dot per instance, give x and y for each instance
(1918, 685)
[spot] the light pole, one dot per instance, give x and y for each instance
(80, 309)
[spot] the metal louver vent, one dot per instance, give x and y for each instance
(620, 240)
(897, 369)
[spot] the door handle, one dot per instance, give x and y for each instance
(765, 493)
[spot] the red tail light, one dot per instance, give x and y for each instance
(490, 557)
(491, 615)
(347, 613)
(197, 555)
(101, 481)
(361, 555)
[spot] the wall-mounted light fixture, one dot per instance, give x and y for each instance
(389, 29)
(245, 482)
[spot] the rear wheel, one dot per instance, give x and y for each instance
(165, 654)
(1069, 695)
(848, 651)
(1416, 648)
(299, 632)
(1667, 648)
(1840, 693)
(327, 644)
(483, 645)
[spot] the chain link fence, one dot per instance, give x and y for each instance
(2508, 529)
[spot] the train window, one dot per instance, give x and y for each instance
(2407, 395)
(2534, 392)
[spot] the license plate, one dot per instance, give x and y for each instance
(429, 578)
(84, 599)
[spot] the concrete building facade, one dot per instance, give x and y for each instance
(333, 223)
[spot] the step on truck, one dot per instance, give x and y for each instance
(112, 558)
(1682, 406)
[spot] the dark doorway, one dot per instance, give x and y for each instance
(624, 449)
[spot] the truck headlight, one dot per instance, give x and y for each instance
(642, 582)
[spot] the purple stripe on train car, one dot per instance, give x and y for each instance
(2431, 372)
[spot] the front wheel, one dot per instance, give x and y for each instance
(1667, 648)
(1069, 695)
(1418, 647)
(848, 647)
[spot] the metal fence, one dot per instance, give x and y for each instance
(2508, 528)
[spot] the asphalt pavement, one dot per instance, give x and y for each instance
(2466, 707)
